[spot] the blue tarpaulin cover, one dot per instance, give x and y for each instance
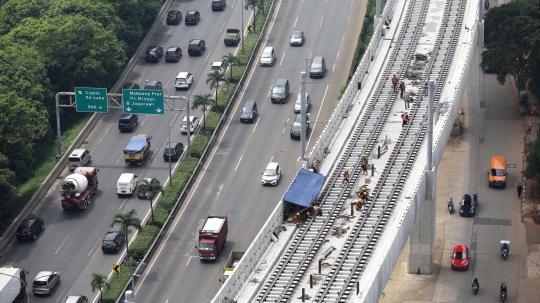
(135, 145)
(305, 188)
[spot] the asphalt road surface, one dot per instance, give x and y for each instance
(231, 180)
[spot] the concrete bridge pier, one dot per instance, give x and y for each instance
(422, 236)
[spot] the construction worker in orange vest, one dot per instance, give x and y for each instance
(404, 118)
(346, 177)
(395, 82)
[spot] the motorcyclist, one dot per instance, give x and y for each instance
(503, 288)
(475, 281)
(505, 247)
(450, 201)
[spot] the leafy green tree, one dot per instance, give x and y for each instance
(23, 122)
(204, 101)
(99, 282)
(214, 80)
(127, 220)
(230, 60)
(76, 50)
(532, 160)
(14, 11)
(7, 179)
(512, 40)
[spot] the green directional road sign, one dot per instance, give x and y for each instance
(89, 99)
(143, 101)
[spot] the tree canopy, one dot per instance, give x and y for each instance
(512, 41)
(48, 46)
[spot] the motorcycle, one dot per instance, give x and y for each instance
(505, 253)
(504, 295)
(475, 288)
(450, 205)
(486, 4)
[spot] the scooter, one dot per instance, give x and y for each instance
(475, 288)
(505, 253)
(450, 205)
(486, 4)
(504, 295)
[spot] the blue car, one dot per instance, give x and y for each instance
(468, 205)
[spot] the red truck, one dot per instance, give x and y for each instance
(78, 188)
(212, 237)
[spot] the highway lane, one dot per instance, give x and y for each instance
(71, 241)
(230, 182)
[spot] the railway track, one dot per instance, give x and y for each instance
(356, 252)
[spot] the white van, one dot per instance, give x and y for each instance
(79, 157)
(183, 80)
(126, 184)
(268, 57)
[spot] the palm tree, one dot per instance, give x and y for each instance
(151, 187)
(214, 79)
(252, 4)
(230, 60)
(204, 101)
(127, 220)
(99, 282)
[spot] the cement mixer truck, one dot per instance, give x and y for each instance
(78, 188)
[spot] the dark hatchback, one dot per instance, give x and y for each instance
(152, 84)
(468, 205)
(30, 228)
(296, 127)
(173, 151)
(173, 54)
(112, 242)
(248, 112)
(174, 17)
(218, 5)
(192, 17)
(153, 54)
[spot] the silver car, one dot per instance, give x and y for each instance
(271, 174)
(45, 282)
(297, 38)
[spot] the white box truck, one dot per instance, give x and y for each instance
(12, 284)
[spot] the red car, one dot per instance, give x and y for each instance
(460, 257)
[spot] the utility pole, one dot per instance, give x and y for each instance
(303, 117)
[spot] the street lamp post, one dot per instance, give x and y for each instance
(169, 151)
(242, 32)
(23, 282)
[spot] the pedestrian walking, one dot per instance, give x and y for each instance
(529, 127)
(406, 100)
(346, 177)
(395, 82)
(519, 190)
(401, 89)
(404, 118)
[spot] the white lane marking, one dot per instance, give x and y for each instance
(296, 20)
(61, 295)
(144, 120)
(321, 21)
(239, 162)
(123, 202)
(189, 260)
(61, 244)
(282, 57)
(108, 128)
(256, 123)
(269, 92)
(271, 158)
(207, 56)
(318, 115)
(94, 247)
(222, 26)
(121, 157)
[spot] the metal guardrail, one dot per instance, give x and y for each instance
(144, 262)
